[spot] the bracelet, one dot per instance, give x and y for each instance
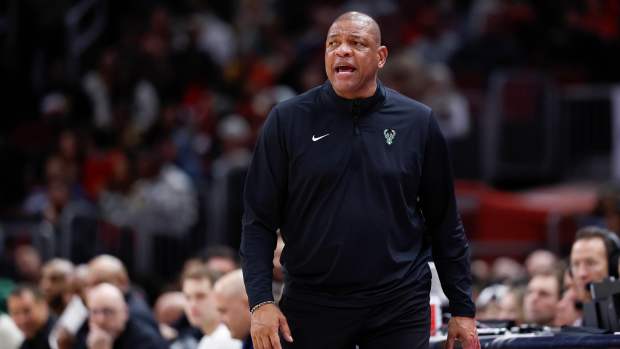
(254, 308)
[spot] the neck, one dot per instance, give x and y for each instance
(365, 93)
(209, 327)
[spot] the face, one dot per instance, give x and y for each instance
(107, 312)
(541, 299)
(200, 306)
(353, 57)
(234, 313)
(54, 284)
(28, 313)
(509, 307)
(588, 263)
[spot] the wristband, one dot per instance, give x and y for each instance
(254, 308)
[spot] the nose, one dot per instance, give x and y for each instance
(343, 50)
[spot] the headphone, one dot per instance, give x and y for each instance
(613, 252)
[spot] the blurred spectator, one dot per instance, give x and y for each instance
(511, 305)
(508, 270)
(10, 336)
(541, 262)
(109, 269)
(488, 302)
(56, 284)
(589, 259)
(568, 309)
(224, 207)
(201, 310)
(220, 259)
(168, 309)
(29, 311)
(112, 326)
(27, 264)
(232, 304)
(541, 299)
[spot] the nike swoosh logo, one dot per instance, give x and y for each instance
(314, 139)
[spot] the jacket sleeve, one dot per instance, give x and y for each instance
(449, 244)
(264, 199)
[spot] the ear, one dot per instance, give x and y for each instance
(382, 52)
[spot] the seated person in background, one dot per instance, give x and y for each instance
(112, 326)
(202, 312)
(511, 305)
(541, 299)
(231, 299)
(169, 308)
(568, 309)
(30, 312)
(55, 284)
(109, 269)
(541, 262)
(590, 258)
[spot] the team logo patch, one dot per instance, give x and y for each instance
(389, 135)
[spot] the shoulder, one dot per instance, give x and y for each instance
(395, 99)
(302, 103)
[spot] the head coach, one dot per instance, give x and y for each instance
(357, 178)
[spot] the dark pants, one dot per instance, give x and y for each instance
(400, 324)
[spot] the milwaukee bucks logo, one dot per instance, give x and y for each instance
(389, 135)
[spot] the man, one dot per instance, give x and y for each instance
(358, 179)
(109, 269)
(541, 299)
(589, 259)
(29, 311)
(56, 284)
(111, 326)
(231, 300)
(202, 313)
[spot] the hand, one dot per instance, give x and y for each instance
(266, 321)
(64, 339)
(98, 339)
(463, 329)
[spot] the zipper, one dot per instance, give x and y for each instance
(356, 116)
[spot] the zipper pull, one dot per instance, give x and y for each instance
(355, 109)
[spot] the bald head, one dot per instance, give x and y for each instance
(107, 309)
(106, 268)
(231, 285)
(364, 20)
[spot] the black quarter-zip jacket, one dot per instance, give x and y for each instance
(363, 194)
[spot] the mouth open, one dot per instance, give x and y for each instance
(344, 68)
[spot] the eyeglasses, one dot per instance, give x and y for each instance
(105, 311)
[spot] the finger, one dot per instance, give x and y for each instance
(275, 341)
(257, 344)
(286, 331)
(266, 343)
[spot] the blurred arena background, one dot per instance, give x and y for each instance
(127, 126)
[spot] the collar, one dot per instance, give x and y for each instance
(360, 105)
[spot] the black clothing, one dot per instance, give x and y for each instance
(139, 335)
(362, 191)
(139, 310)
(400, 324)
(247, 343)
(41, 339)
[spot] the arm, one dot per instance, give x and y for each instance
(264, 198)
(449, 244)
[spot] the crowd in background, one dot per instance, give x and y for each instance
(140, 146)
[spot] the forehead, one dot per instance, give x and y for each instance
(196, 285)
(543, 282)
(102, 299)
(351, 27)
(589, 247)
